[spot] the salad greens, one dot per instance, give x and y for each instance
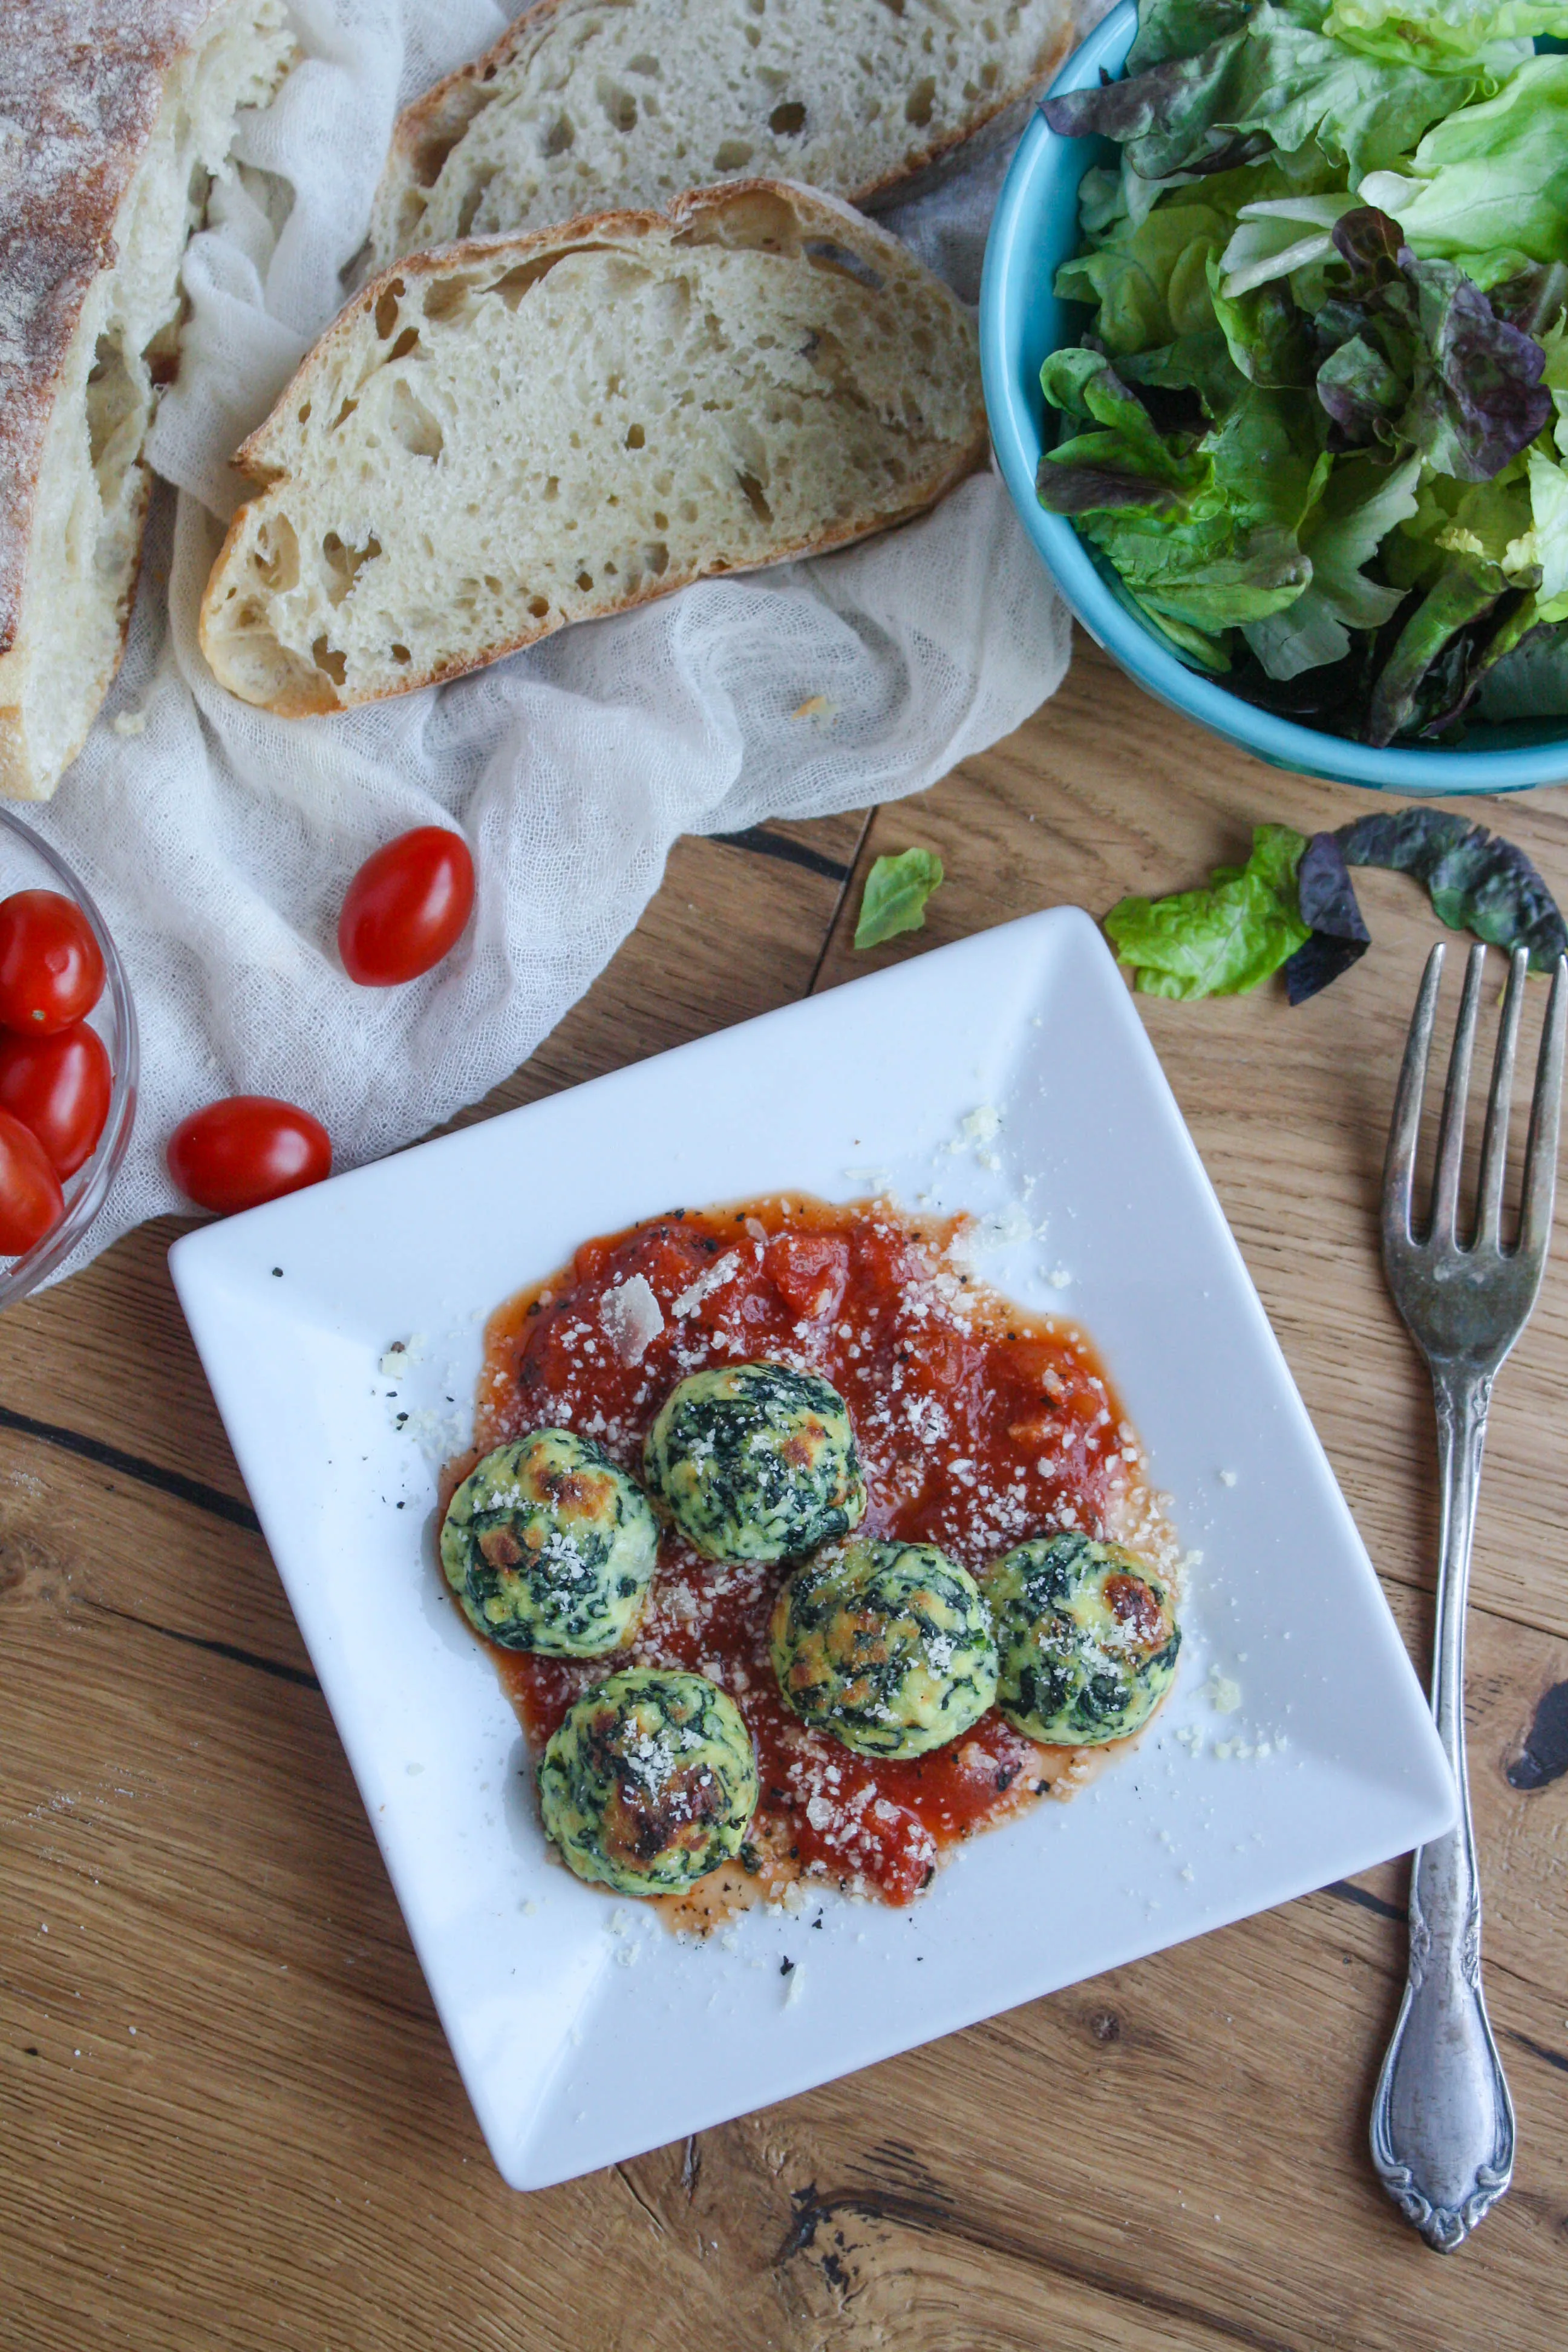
(1316, 432)
(894, 899)
(1293, 905)
(1477, 881)
(1223, 940)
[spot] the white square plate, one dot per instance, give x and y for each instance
(585, 2032)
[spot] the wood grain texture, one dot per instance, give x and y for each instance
(1170, 2158)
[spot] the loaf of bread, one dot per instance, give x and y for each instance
(113, 115)
(587, 104)
(513, 433)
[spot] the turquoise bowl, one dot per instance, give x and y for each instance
(1021, 322)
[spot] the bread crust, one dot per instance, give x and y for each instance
(688, 211)
(1003, 112)
(81, 82)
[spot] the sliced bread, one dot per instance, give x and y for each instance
(113, 113)
(585, 103)
(515, 433)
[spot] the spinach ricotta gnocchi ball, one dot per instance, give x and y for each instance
(1087, 1639)
(886, 1645)
(650, 1782)
(755, 1461)
(549, 1546)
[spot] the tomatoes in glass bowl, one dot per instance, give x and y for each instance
(68, 1067)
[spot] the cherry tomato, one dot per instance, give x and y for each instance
(31, 1200)
(245, 1149)
(51, 973)
(59, 1086)
(406, 906)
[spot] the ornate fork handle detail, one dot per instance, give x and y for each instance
(1442, 2122)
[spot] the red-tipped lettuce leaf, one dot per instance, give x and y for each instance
(1477, 398)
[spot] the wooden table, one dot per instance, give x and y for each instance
(230, 2117)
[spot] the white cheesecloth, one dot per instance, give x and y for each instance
(218, 839)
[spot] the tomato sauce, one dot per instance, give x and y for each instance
(977, 1424)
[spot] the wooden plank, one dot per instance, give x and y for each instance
(1105, 793)
(732, 933)
(281, 2153)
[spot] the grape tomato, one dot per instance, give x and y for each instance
(407, 907)
(59, 1086)
(248, 1149)
(51, 967)
(31, 1200)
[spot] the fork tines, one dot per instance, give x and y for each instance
(1442, 1229)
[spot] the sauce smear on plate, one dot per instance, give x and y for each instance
(977, 1424)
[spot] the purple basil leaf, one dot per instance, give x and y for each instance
(1327, 894)
(1318, 960)
(1328, 902)
(1477, 881)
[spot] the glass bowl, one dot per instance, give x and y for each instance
(28, 863)
(1022, 320)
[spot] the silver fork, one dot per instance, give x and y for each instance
(1442, 2122)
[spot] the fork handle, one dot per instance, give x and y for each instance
(1442, 2121)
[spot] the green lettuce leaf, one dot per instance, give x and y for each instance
(1196, 647)
(1182, 28)
(1201, 365)
(1443, 33)
(1127, 464)
(1546, 544)
(1365, 395)
(1466, 590)
(1529, 680)
(1491, 177)
(1276, 82)
(1203, 534)
(1276, 235)
(1264, 333)
(1222, 941)
(1148, 282)
(895, 896)
(1362, 502)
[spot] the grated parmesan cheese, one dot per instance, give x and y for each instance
(631, 1318)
